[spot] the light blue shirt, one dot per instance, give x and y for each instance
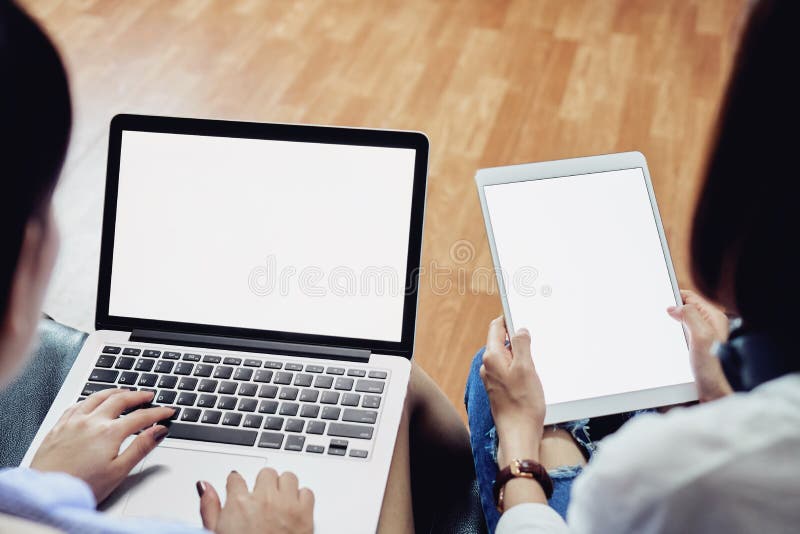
(67, 503)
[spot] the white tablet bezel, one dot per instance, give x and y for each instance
(609, 404)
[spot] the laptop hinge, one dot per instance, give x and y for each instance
(251, 345)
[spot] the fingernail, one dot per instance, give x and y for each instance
(201, 488)
(161, 433)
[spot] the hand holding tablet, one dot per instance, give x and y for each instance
(583, 264)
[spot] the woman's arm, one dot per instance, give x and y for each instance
(517, 403)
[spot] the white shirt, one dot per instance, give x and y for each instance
(732, 465)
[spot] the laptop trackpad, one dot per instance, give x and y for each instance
(164, 487)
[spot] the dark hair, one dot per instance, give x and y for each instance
(35, 117)
(746, 222)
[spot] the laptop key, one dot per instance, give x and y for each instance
(148, 380)
(207, 385)
(250, 362)
(351, 415)
(350, 399)
(283, 378)
(150, 353)
(103, 375)
(164, 367)
(211, 417)
(377, 374)
(252, 421)
(105, 361)
(335, 371)
(243, 373)
(371, 401)
(248, 390)
(227, 403)
(171, 355)
(316, 427)
(223, 372)
(292, 366)
(168, 381)
(213, 434)
(125, 362)
(189, 357)
(358, 453)
(369, 386)
(228, 388)
(273, 365)
(207, 401)
(270, 440)
(268, 406)
(295, 425)
(183, 368)
(90, 388)
(316, 449)
(343, 384)
(358, 373)
(231, 419)
(324, 382)
(247, 405)
(128, 378)
(108, 349)
(331, 412)
(309, 395)
(273, 423)
(295, 443)
(314, 368)
(203, 370)
(344, 430)
(267, 391)
(289, 408)
(131, 352)
(230, 360)
(262, 375)
(208, 358)
(186, 399)
(309, 410)
(187, 383)
(288, 393)
(329, 397)
(303, 380)
(191, 415)
(144, 364)
(166, 397)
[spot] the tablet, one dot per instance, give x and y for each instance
(583, 264)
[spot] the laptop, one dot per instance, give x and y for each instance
(582, 261)
(262, 279)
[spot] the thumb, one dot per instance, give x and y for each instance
(521, 346)
(210, 506)
(691, 317)
(141, 447)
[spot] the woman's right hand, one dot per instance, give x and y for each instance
(275, 506)
(705, 325)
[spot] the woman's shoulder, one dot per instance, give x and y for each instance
(720, 448)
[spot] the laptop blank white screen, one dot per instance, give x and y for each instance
(586, 274)
(271, 235)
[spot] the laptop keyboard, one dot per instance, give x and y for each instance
(265, 402)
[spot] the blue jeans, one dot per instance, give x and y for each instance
(483, 439)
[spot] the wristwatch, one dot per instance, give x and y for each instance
(524, 469)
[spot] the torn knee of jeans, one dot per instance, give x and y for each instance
(491, 443)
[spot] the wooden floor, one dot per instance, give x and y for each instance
(490, 82)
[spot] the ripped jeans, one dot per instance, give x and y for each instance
(483, 439)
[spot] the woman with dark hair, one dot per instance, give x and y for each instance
(80, 462)
(729, 464)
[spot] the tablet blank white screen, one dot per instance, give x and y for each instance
(585, 272)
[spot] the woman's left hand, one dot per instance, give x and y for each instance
(86, 440)
(515, 393)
